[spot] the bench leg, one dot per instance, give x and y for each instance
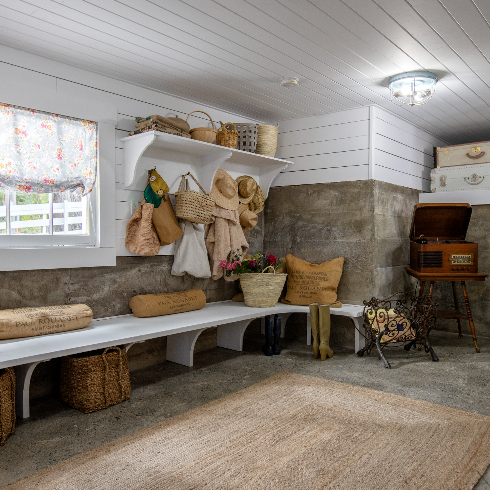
(180, 347)
(23, 375)
(230, 335)
(128, 346)
(308, 329)
(360, 332)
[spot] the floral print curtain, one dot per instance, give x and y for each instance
(42, 152)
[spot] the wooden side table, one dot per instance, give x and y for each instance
(455, 313)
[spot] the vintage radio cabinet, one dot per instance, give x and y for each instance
(443, 227)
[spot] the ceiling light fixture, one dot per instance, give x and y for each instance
(289, 82)
(413, 87)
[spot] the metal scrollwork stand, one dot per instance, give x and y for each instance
(388, 321)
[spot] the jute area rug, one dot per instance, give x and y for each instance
(289, 432)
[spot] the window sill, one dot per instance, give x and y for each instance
(21, 259)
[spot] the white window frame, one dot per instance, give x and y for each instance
(102, 252)
(88, 204)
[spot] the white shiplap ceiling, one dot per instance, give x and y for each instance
(232, 54)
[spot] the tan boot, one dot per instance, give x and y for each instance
(324, 327)
(315, 332)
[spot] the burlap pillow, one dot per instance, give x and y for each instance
(312, 283)
(146, 305)
(29, 322)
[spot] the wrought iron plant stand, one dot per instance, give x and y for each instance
(388, 321)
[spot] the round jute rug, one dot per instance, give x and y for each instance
(289, 432)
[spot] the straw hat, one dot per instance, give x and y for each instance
(257, 204)
(224, 191)
(247, 186)
(247, 219)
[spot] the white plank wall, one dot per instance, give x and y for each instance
(402, 153)
(357, 144)
(34, 75)
(328, 148)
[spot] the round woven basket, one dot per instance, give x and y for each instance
(266, 140)
(208, 135)
(227, 137)
(262, 290)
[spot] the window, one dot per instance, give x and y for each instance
(48, 169)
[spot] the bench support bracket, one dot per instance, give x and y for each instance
(230, 335)
(180, 347)
(23, 374)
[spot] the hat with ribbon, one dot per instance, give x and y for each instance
(248, 219)
(224, 191)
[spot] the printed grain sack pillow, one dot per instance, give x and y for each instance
(312, 283)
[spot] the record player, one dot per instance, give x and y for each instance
(438, 239)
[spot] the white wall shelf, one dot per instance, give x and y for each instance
(474, 198)
(174, 156)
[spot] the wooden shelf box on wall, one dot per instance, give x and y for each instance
(174, 156)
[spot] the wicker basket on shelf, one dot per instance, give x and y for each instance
(227, 137)
(92, 381)
(247, 136)
(7, 403)
(208, 135)
(192, 205)
(262, 290)
(267, 140)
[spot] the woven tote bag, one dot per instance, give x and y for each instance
(192, 205)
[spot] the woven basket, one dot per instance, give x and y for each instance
(227, 137)
(262, 290)
(247, 136)
(93, 381)
(192, 205)
(7, 403)
(266, 140)
(208, 135)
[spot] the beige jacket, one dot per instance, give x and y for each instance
(224, 241)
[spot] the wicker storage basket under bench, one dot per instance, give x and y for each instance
(7, 403)
(95, 380)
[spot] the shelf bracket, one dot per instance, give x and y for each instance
(132, 156)
(209, 165)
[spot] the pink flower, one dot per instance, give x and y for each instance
(222, 264)
(229, 267)
(271, 259)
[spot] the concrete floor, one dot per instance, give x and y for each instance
(55, 432)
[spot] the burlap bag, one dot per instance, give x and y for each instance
(7, 403)
(146, 305)
(29, 322)
(141, 237)
(165, 223)
(312, 283)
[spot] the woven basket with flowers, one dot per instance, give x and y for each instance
(260, 282)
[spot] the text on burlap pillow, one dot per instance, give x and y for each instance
(312, 283)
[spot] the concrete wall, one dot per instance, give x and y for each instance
(367, 222)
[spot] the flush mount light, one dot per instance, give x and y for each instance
(413, 87)
(289, 82)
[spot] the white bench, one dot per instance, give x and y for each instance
(182, 331)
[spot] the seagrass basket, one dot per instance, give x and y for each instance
(7, 403)
(262, 290)
(92, 381)
(247, 136)
(227, 137)
(208, 135)
(193, 206)
(266, 140)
